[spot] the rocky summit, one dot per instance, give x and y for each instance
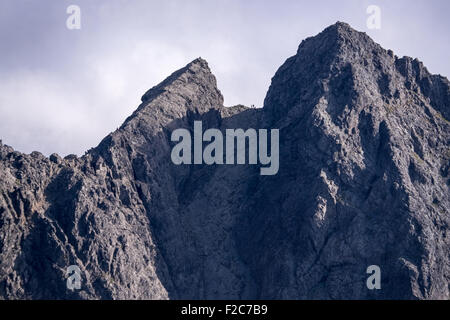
(363, 180)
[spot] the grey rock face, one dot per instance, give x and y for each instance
(363, 180)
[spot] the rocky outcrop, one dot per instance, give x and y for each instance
(363, 180)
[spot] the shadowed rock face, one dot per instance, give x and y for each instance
(363, 180)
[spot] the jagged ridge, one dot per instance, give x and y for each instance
(363, 180)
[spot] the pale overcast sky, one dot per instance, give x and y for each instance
(63, 90)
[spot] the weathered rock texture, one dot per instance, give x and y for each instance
(363, 180)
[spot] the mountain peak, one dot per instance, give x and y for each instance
(337, 39)
(341, 27)
(192, 88)
(342, 64)
(337, 51)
